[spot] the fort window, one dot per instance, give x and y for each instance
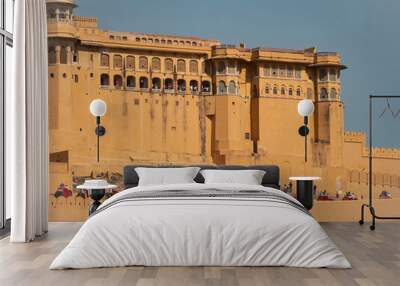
(298, 91)
(231, 67)
(188, 43)
(63, 55)
(117, 81)
(290, 71)
(333, 93)
(157, 41)
(175, 42)
(169, 65)
(144, 40)
(181, 85)
(323, 93)
(309, 93)
(169, 42)
(274, 70)
(206, 67)
(181, 66)
(137, 39)
(75, 56)
(194, 86)
(143, 82)
(130, 81)
(181, 43)
(267, 70)
(332, 75)
(156, 83)
(282, 71)
(150, 40)
(275, 90)
(125, 38)
(105, 60)
(117, 61)
(76, 79)
(290, 91)
(323, 75)
(194, 67)
(221, 67)
(297, 73)
(266, 89)
(232, 87)
(52, 56)
(130, 62)
(194, 44)
(155, 64)
(283, 90)
(143, 63)
(168, 84)
(104, 80)
(221, 87)
(205, 86)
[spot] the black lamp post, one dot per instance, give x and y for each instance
(305, 108)
(98, 109)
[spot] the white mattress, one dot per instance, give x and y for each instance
(195, 231)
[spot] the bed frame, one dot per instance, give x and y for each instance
(270, 179)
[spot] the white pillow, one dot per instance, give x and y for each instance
(165, 176)
(248, 177)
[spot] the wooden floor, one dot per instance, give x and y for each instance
(375, 257)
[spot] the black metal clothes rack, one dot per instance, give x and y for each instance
(370, 202)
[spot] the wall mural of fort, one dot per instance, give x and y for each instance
(187, 100)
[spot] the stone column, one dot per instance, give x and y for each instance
(58, 54)
(69, 54)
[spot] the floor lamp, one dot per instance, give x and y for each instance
(98, 108)
(305, 108)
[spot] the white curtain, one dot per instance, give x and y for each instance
(26, 123)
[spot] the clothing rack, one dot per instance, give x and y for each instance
(370, 202)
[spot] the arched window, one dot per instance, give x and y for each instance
(282, 71)
(267, 91)
(63, 55)
(333, 93)
(194, 44)
(76, 78)
(181, 66)
(194, 67)
(332, 74)
(298, 91)
(290, 91)
(104, 80)
(130, 62)
(309, 93)
(155, 64)
(117, 81)
(156, 83)
(323, 94)
(267, 70)
(221, 87)
(221, 67)
(275, 90)
(117, 61)
(194, 86)
(232, 87)
(181, 85)
(143, 63)
(168, 84)
(52, 56)
(205, 86)
(130, 81)
(297, 73)
(290, 71)
(323, 75)
(105, 60)
(206, 67)
(231, 67)
(75, 56)
(169, 65)
(274, 70)
(283, 90)
(143, 82)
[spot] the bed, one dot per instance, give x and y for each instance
(198, 224)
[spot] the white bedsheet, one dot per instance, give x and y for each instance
(193, 231)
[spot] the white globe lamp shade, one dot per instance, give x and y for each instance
(305, 107)
(98, 107)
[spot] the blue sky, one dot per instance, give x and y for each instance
(364, 32)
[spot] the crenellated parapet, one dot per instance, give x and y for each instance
(85, 22)
(352, 136)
